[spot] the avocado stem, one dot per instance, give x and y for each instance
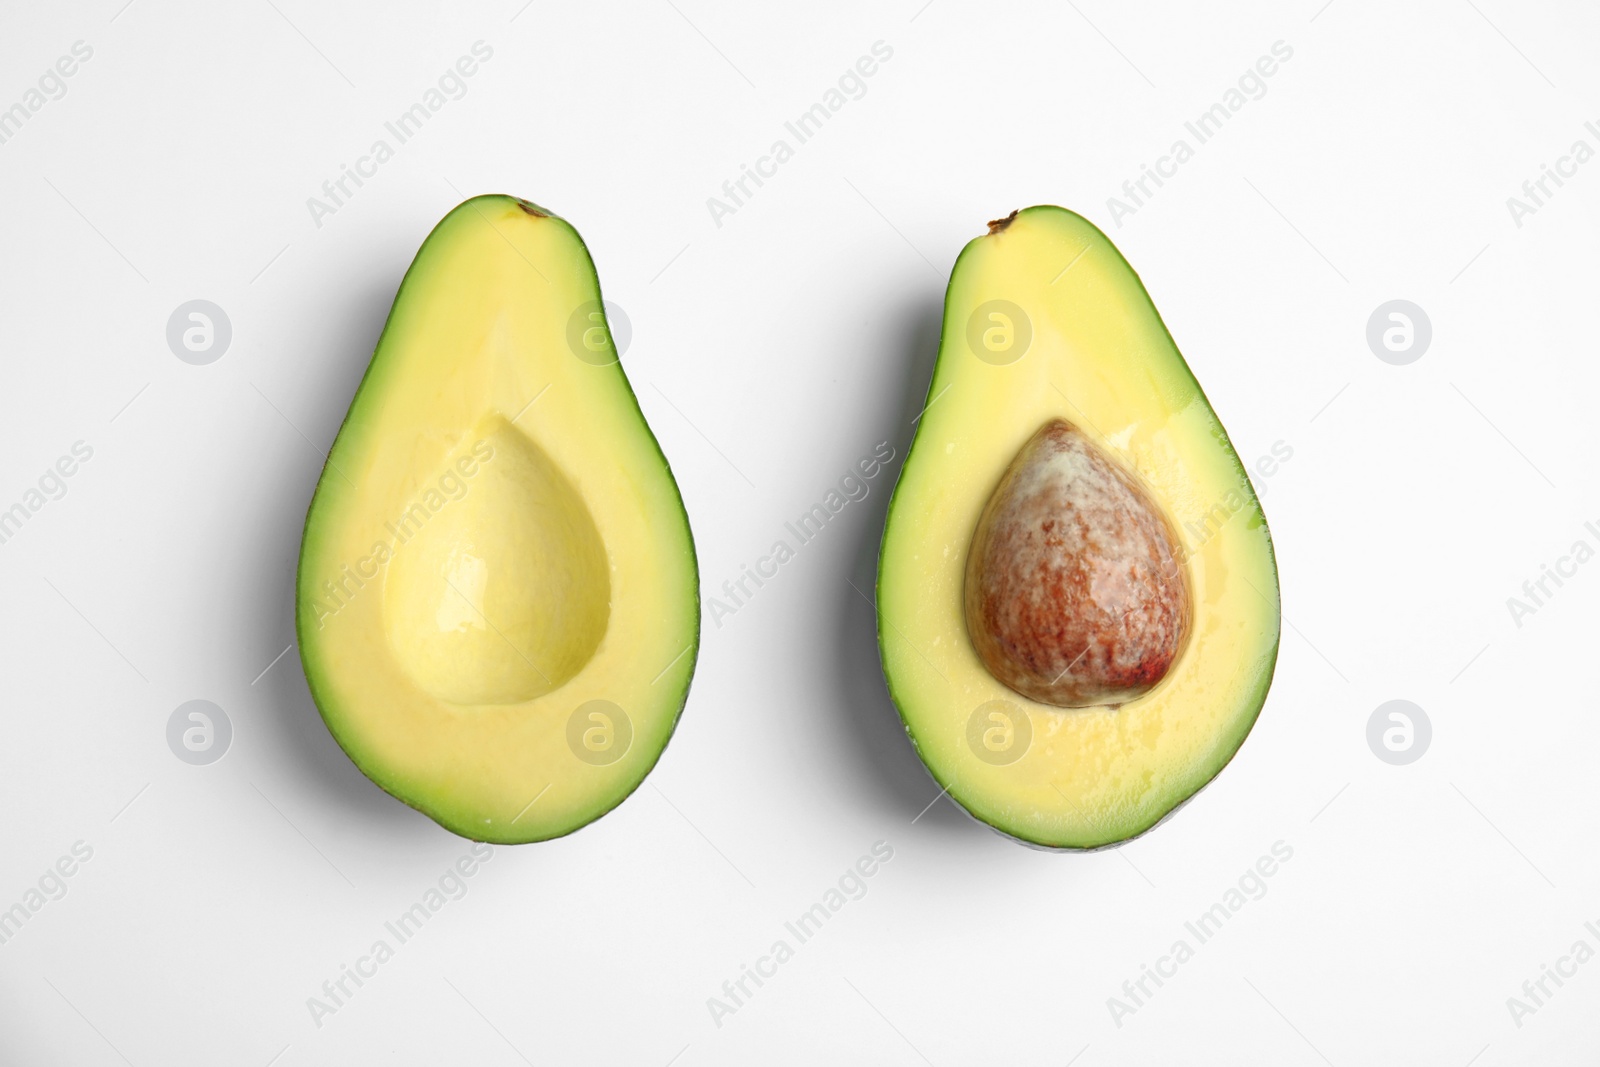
(996, 225)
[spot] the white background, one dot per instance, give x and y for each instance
(769, 354)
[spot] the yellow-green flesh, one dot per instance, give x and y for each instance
(497, 541)
(1100, 358)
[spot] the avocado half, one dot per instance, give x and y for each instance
(1048, 331)
(498, 601)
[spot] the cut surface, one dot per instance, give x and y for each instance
(1044, 320)
(497, 552)
(1074, 593)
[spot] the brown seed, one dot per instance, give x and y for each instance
(1075, 591)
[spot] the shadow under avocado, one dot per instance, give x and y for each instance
(289, 719)
(875, 739)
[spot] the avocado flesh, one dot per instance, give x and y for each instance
(1098, 356)
(497, 542)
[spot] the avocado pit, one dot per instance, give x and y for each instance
(1075, 594)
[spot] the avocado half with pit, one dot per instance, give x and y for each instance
(498, 603)
(1077, 596)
